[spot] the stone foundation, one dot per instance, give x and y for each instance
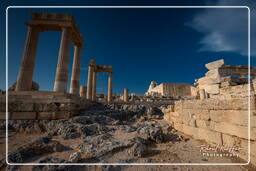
(218, 120)
(41, 105)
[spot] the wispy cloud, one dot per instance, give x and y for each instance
(225, 30)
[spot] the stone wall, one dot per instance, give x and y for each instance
(176, 89)
(41, 105)
(221, 76)
(171, 89)
(221, 119)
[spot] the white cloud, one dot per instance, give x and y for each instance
(226, 29)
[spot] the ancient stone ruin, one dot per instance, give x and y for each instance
(220, 112)
(169, 89)
(169, 124)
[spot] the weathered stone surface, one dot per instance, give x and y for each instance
(138, 149)
(151, 132)
(200, 114)
(214, 104)
(239, 89)
(23, 115)
(97, 146)
(238, 117)
(207, 81)
(227, 128)
(215, 64)
(203, 124)
(40, 146)
(211, 89)
(75, 157)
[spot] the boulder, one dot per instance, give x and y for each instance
(75, 157)
(215, 64)
(138, 149)
(98, 146)
(150, 132)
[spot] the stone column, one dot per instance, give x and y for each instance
(61, 78)
(89, 80)
(125, 96)
(75, 78)
(25, 76)
(202, 94)
(110, 87)
(83, 90)
(94, 85)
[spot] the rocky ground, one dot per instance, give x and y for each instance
(105, 134)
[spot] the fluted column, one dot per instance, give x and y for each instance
(83, 90)
(89, 80)
(75, 78)
(110, 91)
(94, 85)
(61, 78)
(125, 96)
(25, 76)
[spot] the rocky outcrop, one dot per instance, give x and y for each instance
(40, 146)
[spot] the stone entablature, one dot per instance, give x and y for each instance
(54, 21)
(93, 69)
(58, 22)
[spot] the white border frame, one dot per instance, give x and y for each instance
(144, 164)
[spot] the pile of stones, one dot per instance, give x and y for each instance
(219, 76)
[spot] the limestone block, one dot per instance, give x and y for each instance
(207, 81)
(189, 130)
(212, 89)
(242, 144)
(2, 106)
(239, 89)
(2, 115)
(237, 117)
(50, 106)
(20, 106)
(203, 124)
(227, 84)
(186, 117)
(175, 114)
(215, 64)
(219, 74)
(201, 114)
(213, 74)
(45, 115)
(192, 122)
(178, 126)
(227, 128)
(176, 119)
(202, 94)
(23, 115)
(194, 91)
(215, 104)
(209, 136)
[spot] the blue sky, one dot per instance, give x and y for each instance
(165, 45)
